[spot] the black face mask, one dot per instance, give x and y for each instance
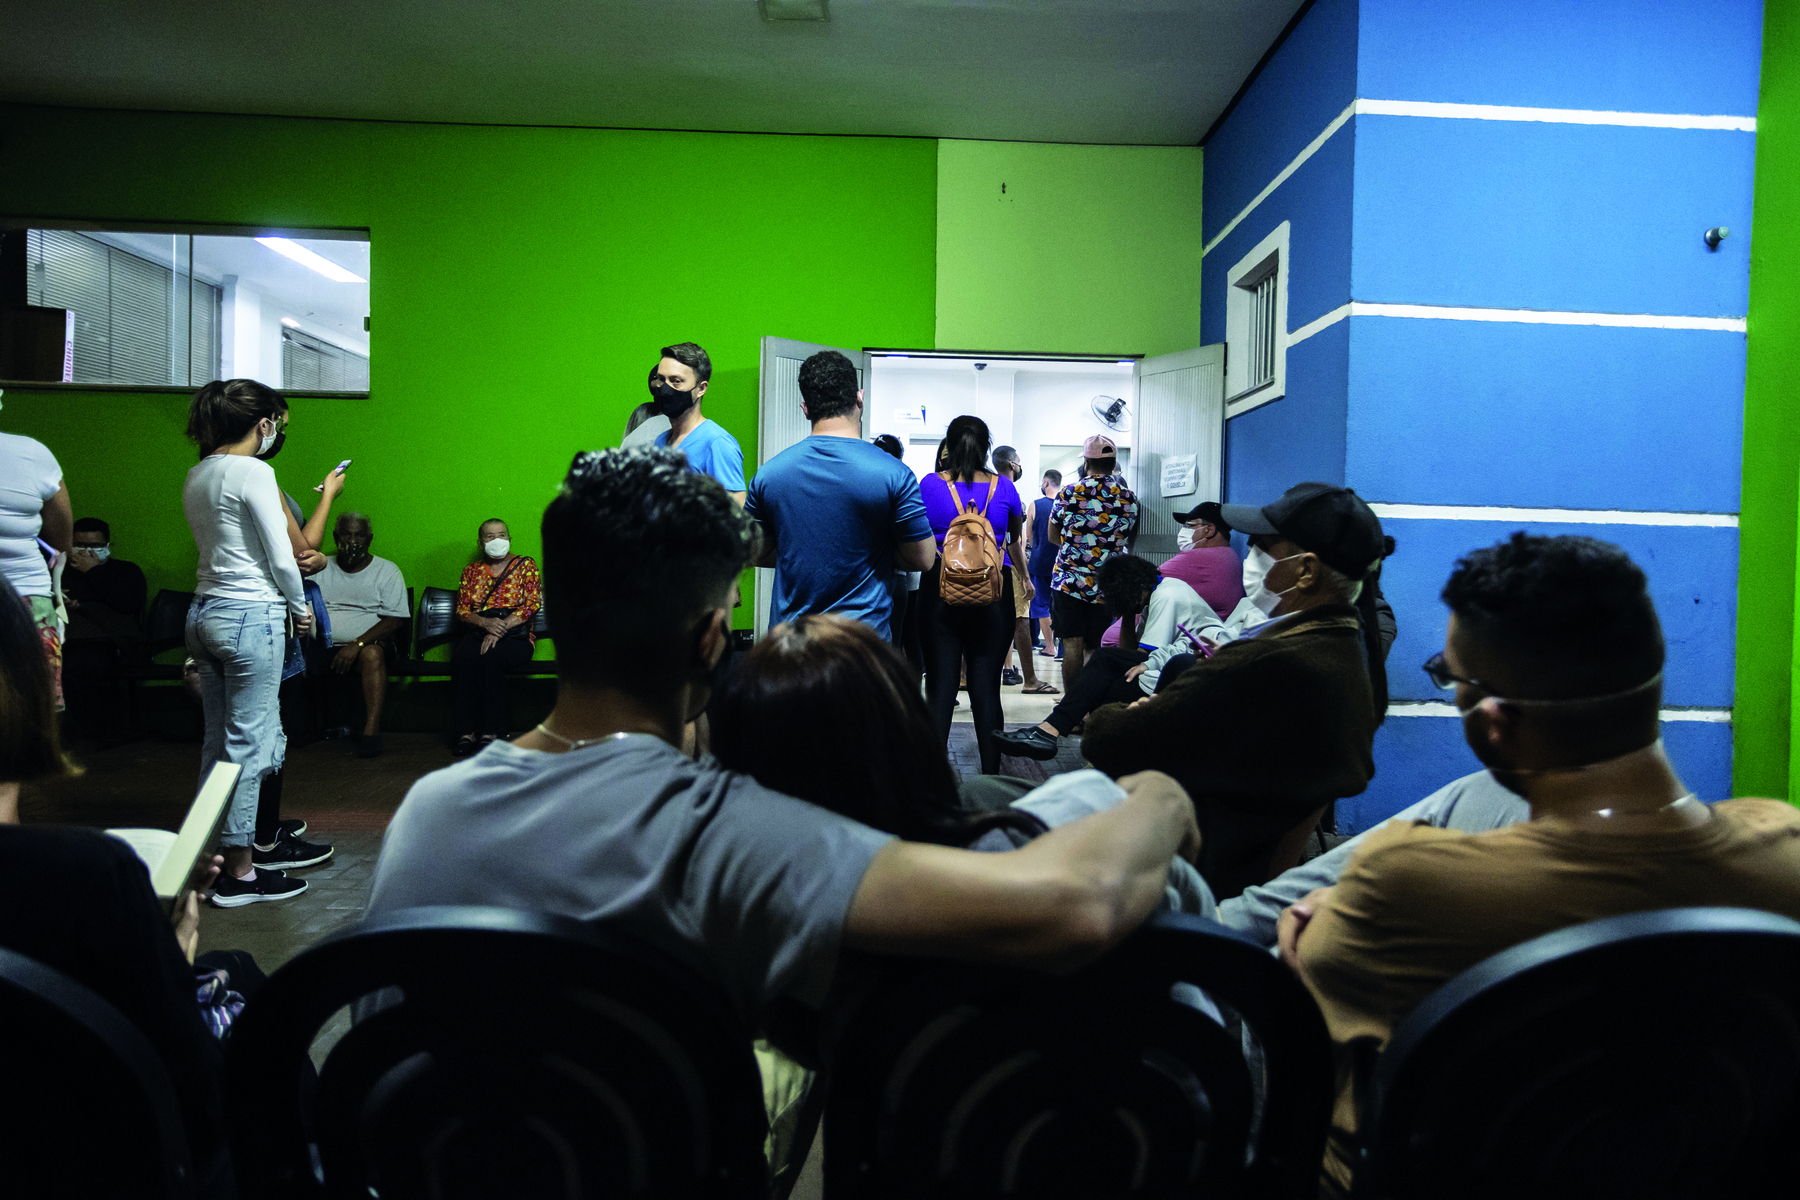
(671, 402)
(275, 449)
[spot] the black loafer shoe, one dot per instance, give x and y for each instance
(1026, 743)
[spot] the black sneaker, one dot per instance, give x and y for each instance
(268, 885)
(1011, 677)
(368, 746)
(295, 828)
(290, 853)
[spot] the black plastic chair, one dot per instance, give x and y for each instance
(953, 1080)
(86, 1108)
(435, 623)
(1648, 1055)
(525, 1055)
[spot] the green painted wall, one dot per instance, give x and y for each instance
(522, 281)
(1091, 249)
(1764, 733)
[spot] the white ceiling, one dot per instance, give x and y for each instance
(1106, 71)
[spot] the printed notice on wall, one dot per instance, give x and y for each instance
(1178, 475)
(910, 416)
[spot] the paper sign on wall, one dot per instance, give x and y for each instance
(1179, 474)
(910, 416)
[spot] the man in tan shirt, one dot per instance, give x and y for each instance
(1555, 655)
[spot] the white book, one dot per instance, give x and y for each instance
(173, 858)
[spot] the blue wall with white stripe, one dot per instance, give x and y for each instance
(1565, 217)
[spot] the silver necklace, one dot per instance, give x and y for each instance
(579, 743)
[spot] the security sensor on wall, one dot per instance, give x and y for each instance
(1715, 236)
(981, 366)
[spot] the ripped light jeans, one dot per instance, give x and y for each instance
(237, 647)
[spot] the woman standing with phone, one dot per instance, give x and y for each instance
(247, 600)
(499, 596)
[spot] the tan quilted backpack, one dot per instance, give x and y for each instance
(969, 570)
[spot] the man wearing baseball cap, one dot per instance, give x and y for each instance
(1288, 711)
(1092, 518)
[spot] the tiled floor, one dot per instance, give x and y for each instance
(1021, 710)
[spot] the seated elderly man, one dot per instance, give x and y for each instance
(1555, 654)
(105, 597)
(365, 597)
(1290, 707)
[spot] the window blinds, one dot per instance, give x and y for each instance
(124, 306)
(310, 364)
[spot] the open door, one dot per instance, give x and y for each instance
(1180, 413)
(780, 423)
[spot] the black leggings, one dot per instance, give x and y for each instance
(479, 680)
(979, 635)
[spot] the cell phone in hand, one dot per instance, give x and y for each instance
(319, 487)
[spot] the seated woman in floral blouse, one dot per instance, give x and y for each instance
(499, 596)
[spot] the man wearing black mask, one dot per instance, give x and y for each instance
(678, 385)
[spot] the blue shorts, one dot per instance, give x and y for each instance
(1040, 602)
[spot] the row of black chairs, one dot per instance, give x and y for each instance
(432, 624)
(501, 1053)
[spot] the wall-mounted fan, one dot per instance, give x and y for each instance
(1113, 413)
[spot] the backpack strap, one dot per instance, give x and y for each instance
(963, 506)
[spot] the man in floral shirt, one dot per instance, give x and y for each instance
(1092, 518)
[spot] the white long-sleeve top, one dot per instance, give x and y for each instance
(240, 528)
(1172, 605)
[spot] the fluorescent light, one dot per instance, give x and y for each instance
(1124, 362)
(290, 322)
(307, 258)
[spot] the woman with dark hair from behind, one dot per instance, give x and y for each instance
(783, 718)
(247, 600)
(975, 636)
(103, 927)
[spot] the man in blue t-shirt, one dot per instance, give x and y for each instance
(839, 516)
(677, 385)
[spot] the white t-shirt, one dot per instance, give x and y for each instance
(29, 475)
(745, 885)
(240, 528)
(355, 600)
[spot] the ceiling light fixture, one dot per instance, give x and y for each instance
(794, 10)
(306, 258)
(290, 322)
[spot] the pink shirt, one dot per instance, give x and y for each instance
(1212, 571)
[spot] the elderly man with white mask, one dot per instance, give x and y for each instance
(1291, 703)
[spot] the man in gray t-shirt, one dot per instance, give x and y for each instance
(595, 814)
(744, 885)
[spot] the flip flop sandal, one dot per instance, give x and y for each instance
(1041, 688)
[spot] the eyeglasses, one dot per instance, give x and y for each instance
(1439, 672)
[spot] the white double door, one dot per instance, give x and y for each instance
(1180, 407)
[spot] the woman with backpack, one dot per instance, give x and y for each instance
(966, 599)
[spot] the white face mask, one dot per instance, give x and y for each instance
(100, 553)
(1256, 569)
(268, 440)
(1184, 538)
(497, 547)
